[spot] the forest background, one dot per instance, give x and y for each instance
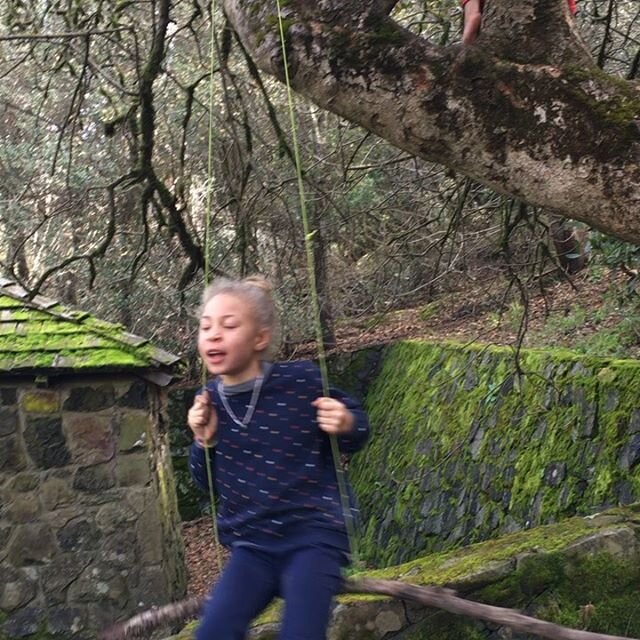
(107, 171)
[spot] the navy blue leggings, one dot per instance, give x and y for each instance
(306, 578)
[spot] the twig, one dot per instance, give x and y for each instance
(435, 597)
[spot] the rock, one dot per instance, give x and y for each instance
(133, 431)
(133, 469)
(620, 542)
(24, 482)
(24, 507)
(90, 438)
(90, 399)
(94, 479)
(46, 443)
(79, 535)
(387, 622)
(136, 397)
(8, 396)
(630, 453)
(120, 550)
(16, 589)
(555, 473)
(61, 572)
(151, 588)
(24, 622)
(56, 492)
(66, 621)
(100, 583)
(43, 401)
(11, 455)
(31, 544)
(114, 517)
(8, 421)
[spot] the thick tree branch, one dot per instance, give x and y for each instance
(549, 129)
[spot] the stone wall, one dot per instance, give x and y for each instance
(465, 447)
(89, 531)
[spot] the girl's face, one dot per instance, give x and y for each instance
(230, 341)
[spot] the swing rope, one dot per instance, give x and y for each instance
(309, 234)
(207, 265)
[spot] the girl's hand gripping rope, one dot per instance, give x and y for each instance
(203, 420)
(333, 416)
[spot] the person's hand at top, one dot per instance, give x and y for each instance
(472, 20)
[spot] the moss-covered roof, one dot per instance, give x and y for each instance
(39, 336)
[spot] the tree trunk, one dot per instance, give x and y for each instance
(524, 110)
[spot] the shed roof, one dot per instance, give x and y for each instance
(42, 337)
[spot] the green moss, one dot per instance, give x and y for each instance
(598, 592)
(61, 338)
(466, 447)
(39, 401)
(452, 567)
(621, 109)
(274, 21)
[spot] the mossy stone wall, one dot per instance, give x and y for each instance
(466, 446)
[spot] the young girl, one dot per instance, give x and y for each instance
(265, 428)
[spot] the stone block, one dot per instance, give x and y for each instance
(133, 469)
(116, 516)
(8, 396)
(152, 587)
(23, 508)
(56, 492)
(150, 536)
(46, 443)
(17, 589)
(630, 454)
(80, 534)
(90, 399)
(555, 473)
(100, 583)
(31, 544)
(94, 479)
(634, 422)
(5, 536)
(24, 482)
(12, 456)
(136, 397)
(8, 421)
(43, 401)
(90, 438)
(24, 622)
(66, 621)
(133, 430)
(61, 572)
(120, 549)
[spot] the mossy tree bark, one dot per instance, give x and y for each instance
(525, 110)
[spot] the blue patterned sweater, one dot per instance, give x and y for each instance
(275, 478)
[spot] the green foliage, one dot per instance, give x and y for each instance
(614, 252)
(606, 329)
